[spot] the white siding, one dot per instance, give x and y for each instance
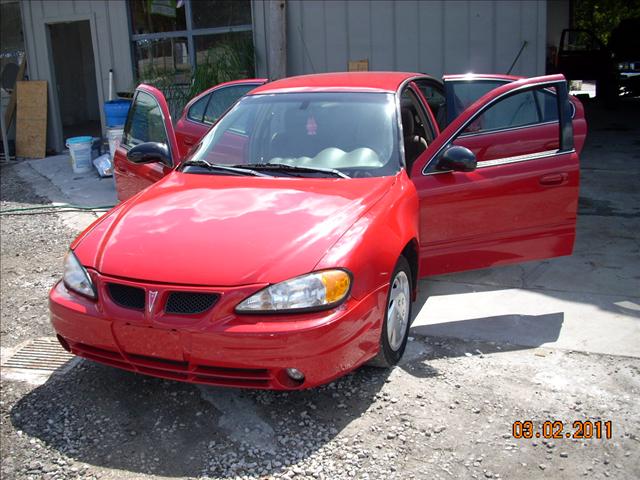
(111, 48)
(436, 37)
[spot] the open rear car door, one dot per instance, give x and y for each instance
(519, 201)
(149, 120)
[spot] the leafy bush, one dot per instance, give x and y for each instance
(228, 60)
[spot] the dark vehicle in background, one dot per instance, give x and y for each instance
(615, 67)
(582, 56)
(625, 46)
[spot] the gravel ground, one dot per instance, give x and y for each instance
(446, 412)
(32, 247)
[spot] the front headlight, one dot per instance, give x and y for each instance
(314, 291)
(76, 277)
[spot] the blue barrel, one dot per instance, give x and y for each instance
(115, 112)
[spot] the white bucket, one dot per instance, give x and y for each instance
(114, 135)
(80, 149)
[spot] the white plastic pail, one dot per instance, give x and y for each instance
(114, 135)
(80, 149)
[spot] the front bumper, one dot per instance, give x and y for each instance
(218, 347)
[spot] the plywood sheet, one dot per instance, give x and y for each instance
(31, 119)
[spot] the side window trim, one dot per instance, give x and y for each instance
(505, 129)
(565, 143)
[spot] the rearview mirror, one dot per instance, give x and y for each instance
(458, 159)
(150, 152)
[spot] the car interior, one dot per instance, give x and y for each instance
(413, 129)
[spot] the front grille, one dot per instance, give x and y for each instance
(186, 303)
(126, 296)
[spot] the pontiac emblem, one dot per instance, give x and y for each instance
(153, 294)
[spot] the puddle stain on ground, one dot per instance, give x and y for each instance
(239, 418)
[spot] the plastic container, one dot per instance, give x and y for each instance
(80, 149)
(115, 112)
(114, 135)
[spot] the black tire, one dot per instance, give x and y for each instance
(387, 357)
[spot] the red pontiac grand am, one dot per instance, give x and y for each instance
(284, 250)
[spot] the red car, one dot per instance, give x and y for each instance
(284, 251)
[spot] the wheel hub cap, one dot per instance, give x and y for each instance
(398, 311)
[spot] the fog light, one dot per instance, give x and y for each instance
(295, 374)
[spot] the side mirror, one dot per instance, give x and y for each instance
(458, 159)
(150, 152)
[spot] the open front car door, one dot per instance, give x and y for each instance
(149, 120)
(499, 184)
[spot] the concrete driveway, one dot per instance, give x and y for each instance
(589, 301)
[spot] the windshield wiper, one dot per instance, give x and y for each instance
(293, 168)
(226, 168)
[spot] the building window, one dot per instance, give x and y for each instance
(184, 46)
(220, 13)
(11, 40)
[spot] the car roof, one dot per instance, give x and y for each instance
(338, 82)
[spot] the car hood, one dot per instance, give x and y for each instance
(196, 229)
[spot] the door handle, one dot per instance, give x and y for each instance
(554, 179)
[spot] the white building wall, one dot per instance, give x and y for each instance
(435, 37)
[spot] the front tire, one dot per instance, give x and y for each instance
(395, 325)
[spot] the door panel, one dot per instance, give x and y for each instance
(518, 205)
(148, 120)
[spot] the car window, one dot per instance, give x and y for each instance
(548, 105)
(355, 133)
(196, 111)
(414, 134)
(434, 95)
(223, 98)
(465, 93)
(145, 122)
(534, 107)
(513, 111)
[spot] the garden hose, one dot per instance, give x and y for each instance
(62, 208)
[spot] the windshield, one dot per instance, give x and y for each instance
(353, 133)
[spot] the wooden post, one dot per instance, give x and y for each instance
(277, 39)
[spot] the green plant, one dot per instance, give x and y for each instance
(230, 59)
(602, 16)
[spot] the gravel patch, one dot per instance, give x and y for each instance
(32, 247)
(440, 415)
